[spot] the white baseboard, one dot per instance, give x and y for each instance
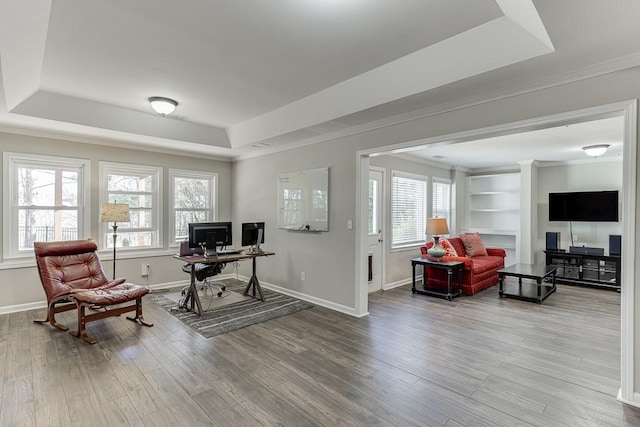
(181, 283)
(399, 283)
(635, 402)
(23, 307)
(313, 300)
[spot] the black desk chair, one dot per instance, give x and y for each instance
(204, 273)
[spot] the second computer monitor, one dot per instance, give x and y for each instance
(250, 231)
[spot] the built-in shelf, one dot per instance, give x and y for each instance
(493, 210)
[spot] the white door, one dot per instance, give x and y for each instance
(375, 228)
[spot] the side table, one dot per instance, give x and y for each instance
(452, 267)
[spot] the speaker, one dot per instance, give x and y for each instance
(615, 244)
(553, 240)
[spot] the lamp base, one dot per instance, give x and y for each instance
(436, 251)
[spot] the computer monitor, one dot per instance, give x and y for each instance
(210, 234)
(250, 231)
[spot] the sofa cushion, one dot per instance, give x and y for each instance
(457, 244)
(486, 263)
(448, 247)
(473, 245)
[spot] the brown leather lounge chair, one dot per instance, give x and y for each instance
(73, 278)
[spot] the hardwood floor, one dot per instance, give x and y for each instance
(416, 360)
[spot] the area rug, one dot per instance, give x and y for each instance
(233, 311)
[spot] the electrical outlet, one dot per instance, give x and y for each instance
(303, 276)
(145, 270)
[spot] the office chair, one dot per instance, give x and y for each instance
(204, 275)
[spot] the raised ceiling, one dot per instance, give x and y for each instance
(253, 75)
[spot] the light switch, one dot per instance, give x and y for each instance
(349, 224)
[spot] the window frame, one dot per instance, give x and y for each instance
(113, 168)
(11, 162)
(417, 177)
(212, 177)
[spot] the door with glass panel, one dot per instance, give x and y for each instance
(375, 255)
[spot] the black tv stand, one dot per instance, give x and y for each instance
(600, 271)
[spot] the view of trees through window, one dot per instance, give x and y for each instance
(138, 191)
(192, 203)
(47, 205)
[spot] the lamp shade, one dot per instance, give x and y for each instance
(162, 105)
(114, 212)
(596, 150)
(437, 226)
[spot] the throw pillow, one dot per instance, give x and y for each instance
(473, 245)
(448, 247)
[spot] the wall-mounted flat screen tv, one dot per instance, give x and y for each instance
(586, 206)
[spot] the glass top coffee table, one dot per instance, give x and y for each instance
(533, 292)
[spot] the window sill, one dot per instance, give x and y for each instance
(406, 248)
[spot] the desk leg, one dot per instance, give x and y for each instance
(539, 283)
(255, 283)
(449, 274)
(192, 293)
(501, 283)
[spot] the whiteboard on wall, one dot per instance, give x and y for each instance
(303, 200)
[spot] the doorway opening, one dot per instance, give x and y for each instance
(628, 110)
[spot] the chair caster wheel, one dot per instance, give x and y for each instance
(219, 294)
(183, 292)
(223, 288)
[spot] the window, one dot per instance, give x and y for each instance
(139, 187)
(44, 200)
(441, 199)
(193, 196)
(408, 209)
(374, 222)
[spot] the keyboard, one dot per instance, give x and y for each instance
(229, 251)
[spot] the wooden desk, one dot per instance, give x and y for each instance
(192, 293)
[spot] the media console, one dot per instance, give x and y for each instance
(587, 269)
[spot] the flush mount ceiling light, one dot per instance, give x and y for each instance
(596, 150)
(163, 105)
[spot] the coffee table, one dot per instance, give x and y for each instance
(533, 292)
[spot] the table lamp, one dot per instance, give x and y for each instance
(437, 227)
(114, 212)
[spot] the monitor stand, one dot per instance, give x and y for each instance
(209, 253)
(257, 249)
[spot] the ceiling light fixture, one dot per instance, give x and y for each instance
(596, 150)
(163, 105)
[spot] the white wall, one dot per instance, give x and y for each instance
(21, 288)
(588, 176)
(326, 258)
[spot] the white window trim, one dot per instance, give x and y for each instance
(10, 197)
(103, 228)
(402, 174)
(213, 196)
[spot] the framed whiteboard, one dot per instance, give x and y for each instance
(303, 200)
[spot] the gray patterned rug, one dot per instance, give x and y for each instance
(232, 311)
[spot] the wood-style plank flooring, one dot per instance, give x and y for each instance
(414, 361)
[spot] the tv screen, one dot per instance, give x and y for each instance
(586, 206)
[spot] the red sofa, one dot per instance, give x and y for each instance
(479, 272)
